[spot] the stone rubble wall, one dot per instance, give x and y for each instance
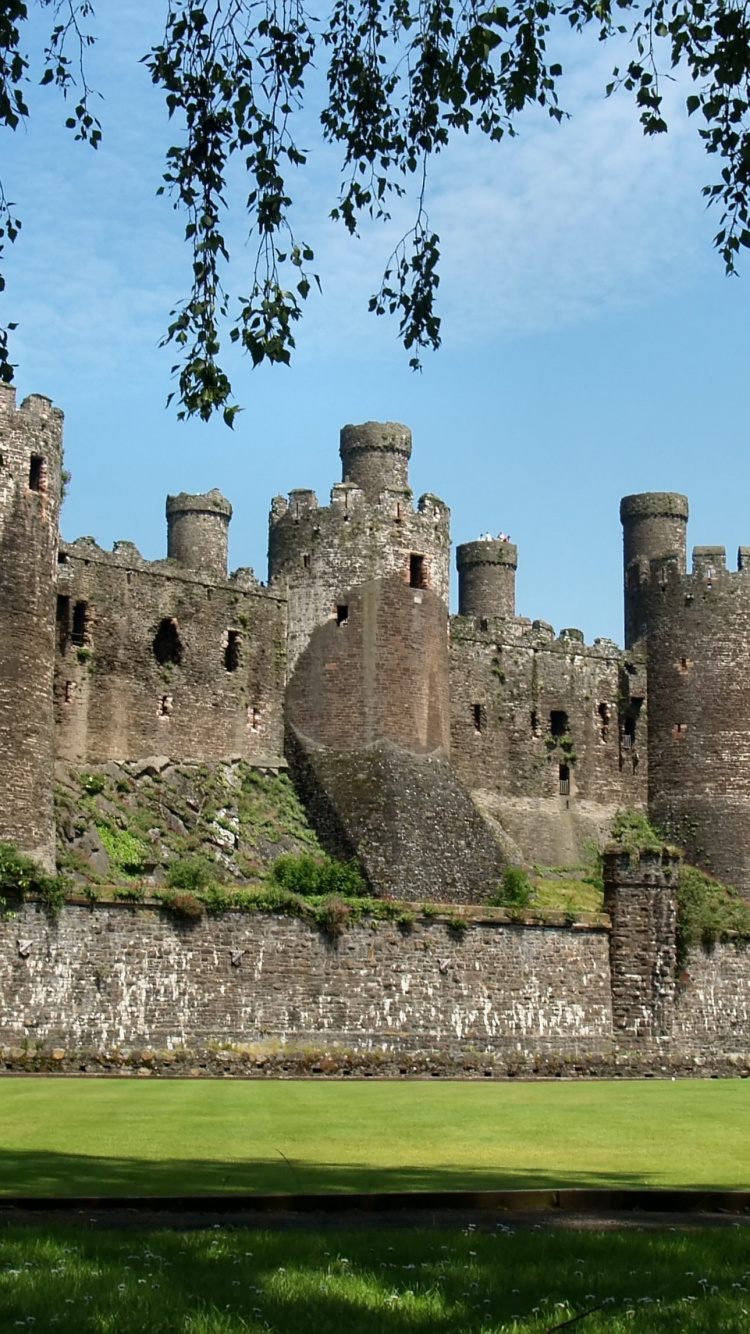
(132, 990)
(117, 977)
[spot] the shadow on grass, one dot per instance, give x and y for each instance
(29, 1172)
(382, 1282)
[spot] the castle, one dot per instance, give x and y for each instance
(436, 748)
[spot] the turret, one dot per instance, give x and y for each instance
(30, 479)
(654, 528)
(375, 457)
(487, 578)
(370, 530)
(198, 531)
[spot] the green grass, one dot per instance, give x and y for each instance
(373, 1282)
(110, 1137)
(567, 893)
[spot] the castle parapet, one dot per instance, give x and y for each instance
(709, 561)
(198, 531)
(487, 578)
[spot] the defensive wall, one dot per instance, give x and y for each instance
(164, 658)
(547, 732)
(112, 986)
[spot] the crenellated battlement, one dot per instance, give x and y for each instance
(708, 573)
(125, 556)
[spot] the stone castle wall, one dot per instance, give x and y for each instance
(111, 980)
(153, 658)
(317, 553)
(547, 732)
(114, 976)
(382, 673)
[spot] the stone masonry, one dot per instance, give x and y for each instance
(435, 748)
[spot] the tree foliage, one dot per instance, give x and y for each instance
(403, 77)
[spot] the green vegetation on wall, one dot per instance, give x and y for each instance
(183, 825)
(707, 911)
(19, 875)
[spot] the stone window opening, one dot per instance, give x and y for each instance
(80, 635)
(62, 617)
(37, 474)
(232, 651)
(564, 780)
(342, 614)
(417, 571)
(62, 558)
(558, 722)
(484, 624)
(630, 723)
(167, 643)
(605, 717)
(166, 704)
(305, 560)
(254, 719)
(476, 710)
(398, 516)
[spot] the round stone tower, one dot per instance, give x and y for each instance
(698, 640)
(198, 531)
(654, 527)
(375, 457)
(487, 578)
(30, 481)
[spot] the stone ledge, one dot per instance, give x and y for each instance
(270, 1060)
(446, 914)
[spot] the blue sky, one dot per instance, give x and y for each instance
(592, 344)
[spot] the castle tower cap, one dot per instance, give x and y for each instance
(208, 502)
(654, 505)
(390, 436)
(486, 552)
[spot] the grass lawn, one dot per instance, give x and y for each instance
(112, 1137)
(373, 1282)
(567, 893)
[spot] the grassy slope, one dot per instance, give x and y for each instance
(375, 1281)
(111, 1137)
(567, 892)
(238, 818)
